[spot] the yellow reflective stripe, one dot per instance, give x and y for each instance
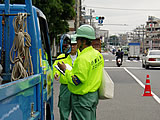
(40, 57)
(45, 66)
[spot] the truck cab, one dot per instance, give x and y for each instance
(29, 97)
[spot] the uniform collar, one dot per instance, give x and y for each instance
(87, 49)
(74, 55)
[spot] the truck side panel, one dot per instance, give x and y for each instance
(0, 36)
(16, 97)
(134, 50)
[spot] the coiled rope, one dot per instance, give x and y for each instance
(19, 53)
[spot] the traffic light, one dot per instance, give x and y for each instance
(97, 18)
(100, 19)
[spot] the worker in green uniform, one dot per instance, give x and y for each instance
(64, 102)
(85, 78)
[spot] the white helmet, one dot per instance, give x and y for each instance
(73, 39)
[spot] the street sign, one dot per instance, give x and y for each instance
(100, 24)
(87, 17)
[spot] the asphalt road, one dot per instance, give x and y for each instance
(128, 102)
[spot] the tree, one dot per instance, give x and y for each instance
(113, 40)
(57, 13)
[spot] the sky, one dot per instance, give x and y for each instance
(133, 13)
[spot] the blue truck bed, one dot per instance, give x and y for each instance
(29, 98)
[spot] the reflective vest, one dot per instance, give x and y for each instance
(87, 69)
(68, 60)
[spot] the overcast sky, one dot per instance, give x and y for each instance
(135, 13)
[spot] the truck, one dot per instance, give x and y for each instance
(134, 51)
(125, 50)
(26, 77)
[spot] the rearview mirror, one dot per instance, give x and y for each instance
(65, 46)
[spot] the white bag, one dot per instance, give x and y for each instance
(106, 90)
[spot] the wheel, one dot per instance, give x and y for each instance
(48, 116)
(47, 113)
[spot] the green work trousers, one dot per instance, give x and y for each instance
(64, 102)
(84, 106)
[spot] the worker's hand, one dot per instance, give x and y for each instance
(62, 66)
(56, 77)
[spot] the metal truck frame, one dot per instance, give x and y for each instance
(29, 98)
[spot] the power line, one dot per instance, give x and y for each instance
(156, 10)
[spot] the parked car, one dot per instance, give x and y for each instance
(152, 58)
(125, 50)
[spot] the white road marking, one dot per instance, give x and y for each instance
(142, 85)
(127, 60)
(135, 61)
(125, 67)
(124, 60)
(114, 67)
(104, 53)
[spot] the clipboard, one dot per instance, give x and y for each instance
(68, 67)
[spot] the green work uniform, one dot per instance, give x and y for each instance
(83, 81)
(64, 102)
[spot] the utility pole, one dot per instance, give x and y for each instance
(143, 30)
(91, 11)
(91, 16)
(78, 14)
(151, 41)
(139, 38)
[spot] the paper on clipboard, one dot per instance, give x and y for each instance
(68, 67)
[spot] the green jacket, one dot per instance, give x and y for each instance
(86, 75)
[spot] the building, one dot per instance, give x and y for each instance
(152, 40)
(123, 39)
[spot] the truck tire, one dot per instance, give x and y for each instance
(47, 113)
